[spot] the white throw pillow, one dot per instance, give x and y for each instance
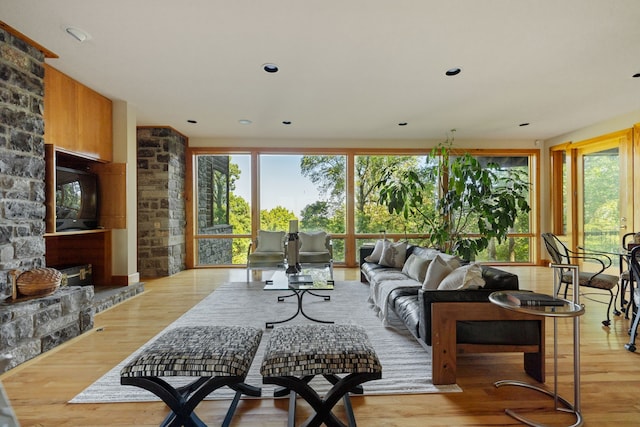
(270, 241)
(313, 242)
(437, 271)
(416, 267)
(393, 254)
(452, 261)
(377, 252)
(465, 277)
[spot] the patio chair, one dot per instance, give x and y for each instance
(560, 255)
(269, 252)
(626, 279)
(316, 250)
(634, 266)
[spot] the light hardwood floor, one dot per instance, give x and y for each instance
(39, 389)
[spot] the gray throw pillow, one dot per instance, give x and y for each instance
(393, 254)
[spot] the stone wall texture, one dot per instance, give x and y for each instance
(161, 204)
(30, 327)
(34, 326)
(22, 195)
(212, 251)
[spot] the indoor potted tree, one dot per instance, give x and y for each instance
(473, 203)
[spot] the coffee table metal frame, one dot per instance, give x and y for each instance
(569, 309)
(298, 290)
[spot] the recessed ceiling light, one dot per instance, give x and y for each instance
(192, 121)
(453, 71)
(636, 75)
(77, 33)
(402, 124)
(286, 122)
(523, 124)
(244, 121)
(270, 68)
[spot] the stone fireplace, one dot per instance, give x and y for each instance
(22, 208)
(32, 327)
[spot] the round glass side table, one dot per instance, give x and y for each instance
(561, 309)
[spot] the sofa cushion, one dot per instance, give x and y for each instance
(377, 252)
(379, 275)
(416, 267)
(404, 303)
(422, 252)
(438, 269)
(394, 254)
(465, 277)
(380, 301)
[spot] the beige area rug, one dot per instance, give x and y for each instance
(406, 365)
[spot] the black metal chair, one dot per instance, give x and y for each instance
(634, 266)
(560, 255)
(626, 279)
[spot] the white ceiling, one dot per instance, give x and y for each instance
(350, 68)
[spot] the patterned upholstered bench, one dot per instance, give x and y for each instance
(294, 355)
(218, 355)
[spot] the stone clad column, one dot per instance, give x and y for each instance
(161, 204)
(22, 194)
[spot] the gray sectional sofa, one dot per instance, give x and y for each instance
(477, 324)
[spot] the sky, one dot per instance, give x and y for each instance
(281, 182)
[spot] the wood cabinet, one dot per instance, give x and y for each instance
(77, 118)
(82, 247)
(112, 180)
(112, 187)
(86, 246)
(78, 135)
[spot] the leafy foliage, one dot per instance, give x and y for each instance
(471, 204)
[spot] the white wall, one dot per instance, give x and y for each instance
(614, 124)
(124, 241)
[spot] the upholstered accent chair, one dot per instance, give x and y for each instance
(316, 250)
(560, 255)
(268, 252)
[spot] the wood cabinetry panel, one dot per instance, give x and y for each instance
(94, 124)
(113, 194)
(83, 247)
(77, 119)
(50, 188)
(60, 109)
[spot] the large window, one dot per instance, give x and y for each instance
(223, 214)
(592, 192)
(238, 194)
(517, 247)
(309, 188)
(370, 216)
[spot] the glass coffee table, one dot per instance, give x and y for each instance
(306, 282)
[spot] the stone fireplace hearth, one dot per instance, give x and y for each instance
(31, 327)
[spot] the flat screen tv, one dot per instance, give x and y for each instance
(76, 199)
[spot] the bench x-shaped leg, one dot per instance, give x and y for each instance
(322, 407)
(183, 400)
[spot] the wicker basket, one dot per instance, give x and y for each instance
(38, 282)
